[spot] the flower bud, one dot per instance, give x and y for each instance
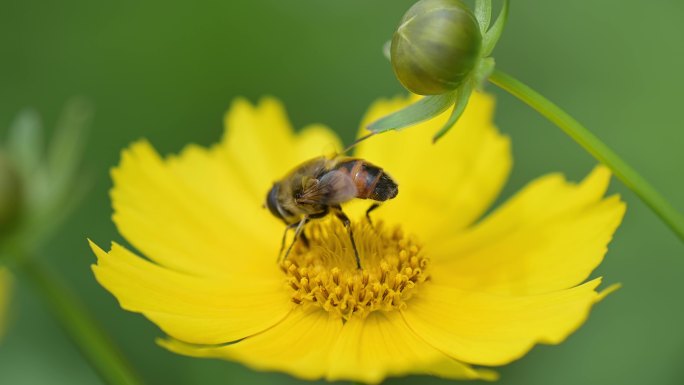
(10, 193)
(436, 46)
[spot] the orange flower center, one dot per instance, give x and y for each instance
(324, 273)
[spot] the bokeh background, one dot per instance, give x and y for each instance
(167, 70)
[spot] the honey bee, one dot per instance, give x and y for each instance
(319, 186)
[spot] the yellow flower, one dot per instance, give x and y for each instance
(5, 281)
(440, 289)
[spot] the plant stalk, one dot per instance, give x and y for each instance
(82, 329)
(599, 150)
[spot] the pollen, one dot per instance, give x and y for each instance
(321, 269)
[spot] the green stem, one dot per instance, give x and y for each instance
(79, 325)
(595, 147)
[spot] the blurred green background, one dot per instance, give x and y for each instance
(167, 70)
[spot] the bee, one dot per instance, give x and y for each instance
(317, 188)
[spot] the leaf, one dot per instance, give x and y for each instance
(492, 36)
(25, 142)
(483, 14)
(57, 210)
(422, 110)
(387, 50)
(460, 106)
(68, 143)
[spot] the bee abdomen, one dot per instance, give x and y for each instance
(371, 181)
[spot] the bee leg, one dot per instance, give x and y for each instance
(347, 224)
(298, 231)
(305, 239)
(371, 208)
(282, 241)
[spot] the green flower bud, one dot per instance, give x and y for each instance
(436, 46)
(10, 194)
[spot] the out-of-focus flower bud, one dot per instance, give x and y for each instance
(436, 46)
(10, 194)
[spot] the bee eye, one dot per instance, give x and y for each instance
(272, 201)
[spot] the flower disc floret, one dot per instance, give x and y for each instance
(322, 272)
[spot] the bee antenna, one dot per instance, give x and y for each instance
(357, 141)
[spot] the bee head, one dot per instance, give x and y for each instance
(272, 201)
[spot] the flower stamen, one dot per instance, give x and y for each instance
(324, 273)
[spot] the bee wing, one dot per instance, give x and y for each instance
(332, 188)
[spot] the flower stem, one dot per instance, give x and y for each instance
(79, 325)
(595, 147)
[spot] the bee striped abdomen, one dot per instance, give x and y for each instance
(371, 181)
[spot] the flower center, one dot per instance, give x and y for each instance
(321, 268)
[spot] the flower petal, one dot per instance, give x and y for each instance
(262, 142)
(193, 309)
(548, 237)
(163, 215)
(488, 329)
(5, 282)
(311, 344)
(446, 186)
(213, 176)
(299, 345)
(382, 345)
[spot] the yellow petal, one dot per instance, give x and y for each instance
(489, 329)
(310, 344)
(444, 187)
(312, 141)
(262, 142)
(299, 345)
(194, 309)
(382, 345)
(212, 176)
(548, 237)
(160, 212)
(5, 282)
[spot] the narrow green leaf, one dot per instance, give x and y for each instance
(68, 143)
(56, 209)
(492, 36)
(422, 110)
(387, 49)
(483, 14)
(460, 106)
(25, 142)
